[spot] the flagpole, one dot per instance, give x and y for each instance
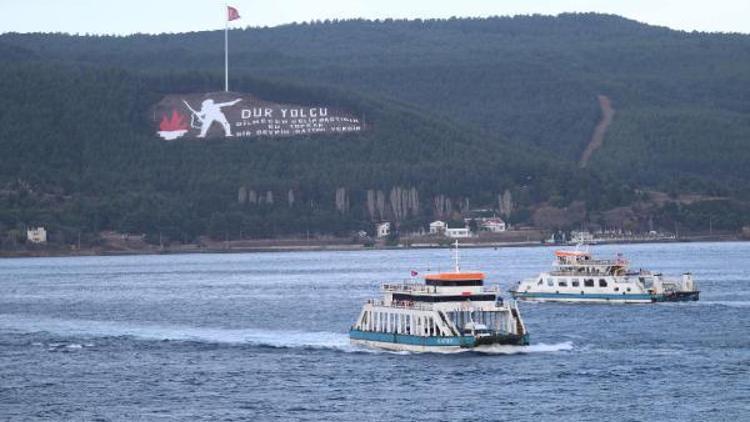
(226, 49)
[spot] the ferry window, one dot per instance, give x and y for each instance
(617, 289)
(563, 284)
(454, 283)
(602, 282)
(588, 282)
(628, 288)
(575, 282)
(539, 283)
(550, 282)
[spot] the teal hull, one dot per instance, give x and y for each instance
(439, 341)
(599, 297)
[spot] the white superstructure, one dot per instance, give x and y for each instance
(450, 311)
(578, 277)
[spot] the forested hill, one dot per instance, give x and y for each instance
(532, 80)
(464, 109)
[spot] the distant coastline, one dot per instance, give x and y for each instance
(328, 244)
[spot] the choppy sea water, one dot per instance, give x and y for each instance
(263, 337)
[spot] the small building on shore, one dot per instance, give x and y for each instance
(437, 227)
(457, 233)
(36, 235)
(383, 229)
(493, 224)
(583, 236)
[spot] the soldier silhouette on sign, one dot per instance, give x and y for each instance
(209, 113)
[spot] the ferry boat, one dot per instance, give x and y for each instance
(578, 277)
(451, 311)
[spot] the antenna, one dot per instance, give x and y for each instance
(455, 256)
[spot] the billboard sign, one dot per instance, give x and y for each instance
(230, 115)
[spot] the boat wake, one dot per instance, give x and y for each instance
(247, 336)
(726, 303)
(515, 350)
(729, 303)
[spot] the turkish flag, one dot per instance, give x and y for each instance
(232, 13)
(414, 273)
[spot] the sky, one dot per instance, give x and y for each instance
(157, 16)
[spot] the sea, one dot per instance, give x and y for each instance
(263, 337)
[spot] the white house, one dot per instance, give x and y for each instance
(494, 224)
(582, 236)
(437, 227)
(458, 232)
(37, 235)
(383, 229)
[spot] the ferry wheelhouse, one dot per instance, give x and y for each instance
(578, 277)
(449, 312)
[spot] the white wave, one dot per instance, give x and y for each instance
(533, 348)
(89, 328)
(499, 349)
(252, 336)
(729, 303)
(56, 347)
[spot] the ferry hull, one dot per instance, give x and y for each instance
(402, 342)
(605, 298)
(507, 339)
(681, 297)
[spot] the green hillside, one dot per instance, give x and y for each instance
(532, 80)
(81, 155)
(462, 109)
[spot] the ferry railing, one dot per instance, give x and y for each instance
(572, 272)
(620, 262)
(403, 304)
(421, 288)
(465, 306)
(406, 287)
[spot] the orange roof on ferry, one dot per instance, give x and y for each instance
(571, 253)
(455, 276)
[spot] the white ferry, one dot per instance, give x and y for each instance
(449, 312)
(577, 277)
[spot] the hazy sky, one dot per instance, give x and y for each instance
(154, 16)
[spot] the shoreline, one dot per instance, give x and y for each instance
(276, 246)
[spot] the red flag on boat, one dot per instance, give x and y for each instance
(414, 273)
(232, 13)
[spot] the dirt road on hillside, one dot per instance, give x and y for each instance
(597, 138)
